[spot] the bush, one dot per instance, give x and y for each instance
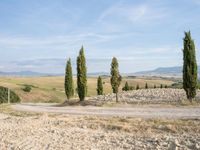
(131, 87)
(177, 85)
(14, 98)
(27, 88)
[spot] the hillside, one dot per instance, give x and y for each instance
(51, 88)
(162, 71)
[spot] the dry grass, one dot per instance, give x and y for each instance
(51, 89)
(6, 109)
(135, 125)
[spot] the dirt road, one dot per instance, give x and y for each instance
(144, 112)
(78, 127)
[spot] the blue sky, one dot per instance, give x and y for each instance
(142, 34)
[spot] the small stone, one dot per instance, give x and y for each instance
(197, 145)
(176, 142)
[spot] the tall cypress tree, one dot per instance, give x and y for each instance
(81, 75)
(146, 86)
(137, 87)
(115, 77)
(69, 84)
(189, 67)
(99, 86)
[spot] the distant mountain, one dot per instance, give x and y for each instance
(162, 71)
(95, 74)
(51, 66)
(32, 73)
(23, 73)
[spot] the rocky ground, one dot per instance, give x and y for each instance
(152, 96)
(24, 131)
(55, 132)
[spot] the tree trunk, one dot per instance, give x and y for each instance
(116, 97)
(190, 99)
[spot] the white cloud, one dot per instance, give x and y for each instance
(132, 13)
(19, 42)
(2, 67)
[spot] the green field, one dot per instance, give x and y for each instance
(51, 89)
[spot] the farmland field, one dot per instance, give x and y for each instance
(51, 89)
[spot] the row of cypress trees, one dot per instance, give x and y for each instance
(128, 88)
(189, 73)
(81, 77)
(115, 79)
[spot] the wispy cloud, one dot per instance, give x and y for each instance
(149, 32)
(18, 42)
(132, 13)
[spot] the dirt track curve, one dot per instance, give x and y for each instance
(144, 112)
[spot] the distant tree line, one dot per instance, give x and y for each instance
(127, 87)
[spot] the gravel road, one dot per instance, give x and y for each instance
(140, 111)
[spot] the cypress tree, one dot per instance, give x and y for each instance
(69, 84)
(99, 86)
(81, 75)
(137, 87)
(146, 86)
(115, 77)
(189, 67)
(154, 86)
(126, 87)
(161, 86)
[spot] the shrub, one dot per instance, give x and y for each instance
(14, 98)
(131, 87)
(177, 85)
(27, 88)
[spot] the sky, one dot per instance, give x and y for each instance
(142, 34)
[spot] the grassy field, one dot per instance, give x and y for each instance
(51, 89)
